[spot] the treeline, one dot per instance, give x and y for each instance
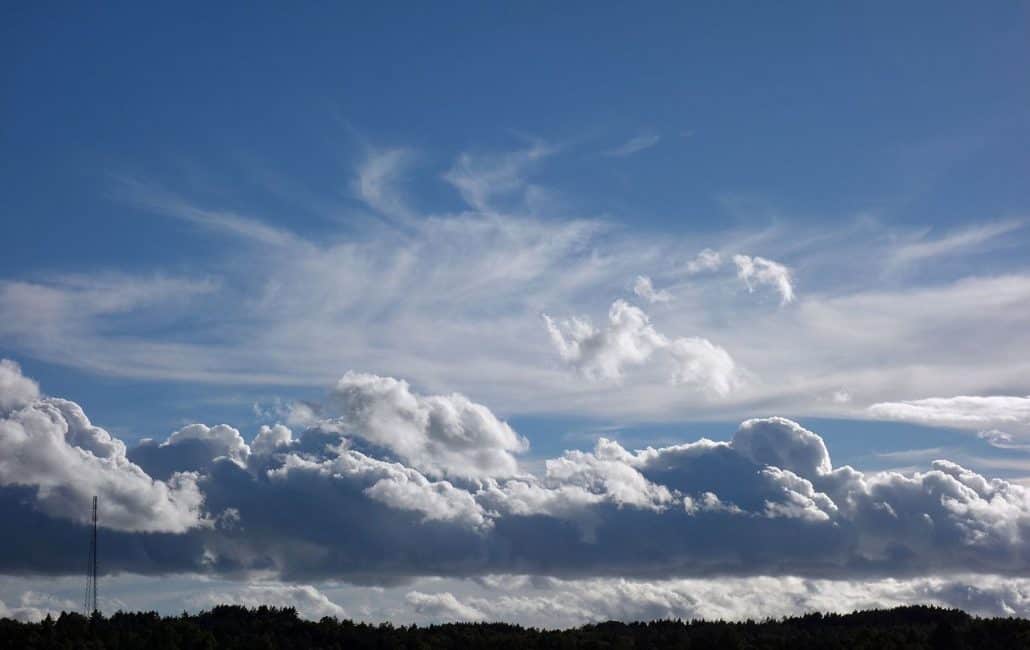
(269, 627)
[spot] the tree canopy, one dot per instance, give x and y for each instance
(269, 627)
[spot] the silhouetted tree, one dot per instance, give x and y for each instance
(226, 626)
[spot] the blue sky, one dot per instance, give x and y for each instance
(644, 224)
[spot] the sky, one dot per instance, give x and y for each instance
(516, 312)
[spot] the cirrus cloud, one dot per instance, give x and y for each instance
(758, 270)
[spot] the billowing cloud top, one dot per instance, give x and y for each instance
(389, 484)
(49, 445)
(631, 340)
(438, 434)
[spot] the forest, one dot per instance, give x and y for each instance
(268, 627)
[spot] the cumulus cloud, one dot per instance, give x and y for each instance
(346, 499)
(701, 363)
(780, 442)
(222, 440)
(961, 412)
(393, 484)
(193, 448)
(16, 390)
(439, 434)
(609, 471)
(631, 340)
(270, 439)
(758, 270)
(643, 288)
(49, 445)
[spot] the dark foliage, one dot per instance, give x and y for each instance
(265, 627)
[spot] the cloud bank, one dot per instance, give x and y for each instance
(554, 602)
(388, 484)
(566, 603)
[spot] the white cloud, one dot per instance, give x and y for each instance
(550, 602)
(50, 445)
(16, 390)
(706, 260)
(270, 439)
(34, 606)
(783, 443)
(634, 145)
(342, 504)
(547, 602)
(762, 271)
(708, 502)
(967, 240)
(631, 340)
(392, 484)
(841, 396)
(439, 434)
(222, 440)
(437, 500)
(452, 301)
(568, 603)
(442, 606)
(376, 178)
(643, 288)
(701, 363)
(481, 179)
(160, 201)
(1001, 440)
(962, 412)
(608, 472)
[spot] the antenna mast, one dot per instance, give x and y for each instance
(89, 603)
